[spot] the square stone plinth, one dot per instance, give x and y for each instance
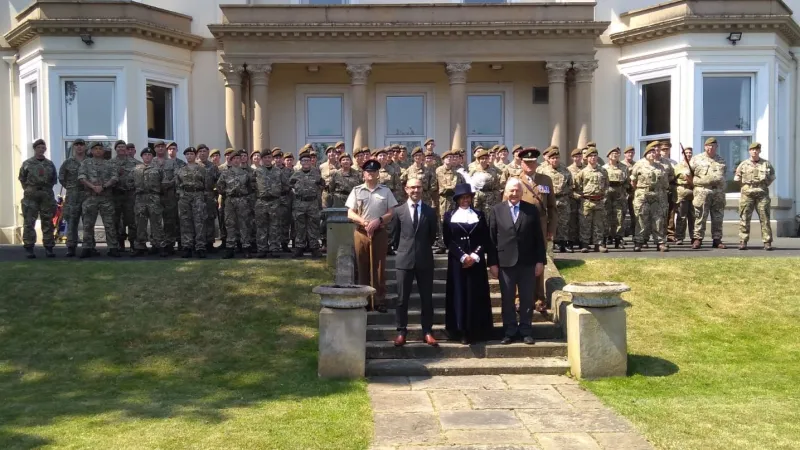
(407, 429)
(597, 344)
(544, 398)
(478, 420)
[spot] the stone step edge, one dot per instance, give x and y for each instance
(439, 326)
(412, 311)
(467, 366)
(540, 343)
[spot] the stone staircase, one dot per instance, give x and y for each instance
(547, 356)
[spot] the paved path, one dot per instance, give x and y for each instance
(784, 247)
(544, 412)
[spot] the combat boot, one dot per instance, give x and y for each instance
(603, 249)
(238, 247)
(48, 252)
(297, 253)
(285, 248)
(637, 248)
(696, 243)
(138, 253)
(113, 252)
(223, 245)
(210, 247)
(768, 246)
(717, 243)
(585, 249)
(273, 255)
(261, 255)
(247, 253)
(187, 253)
(619, 243)
(561, 247)
(228, 253)
(163, 252)
(131, 242)
(29, 253)
(155, 250)
(86, 253)
(180, 246)
(201, 254)
(315, 253)
(70, 252)
(121, 243)
(742, 245)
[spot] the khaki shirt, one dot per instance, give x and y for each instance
(370, 204)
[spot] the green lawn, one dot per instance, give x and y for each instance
(714, 350)
(169, 354)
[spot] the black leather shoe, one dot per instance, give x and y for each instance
(381, 309)
(29, 253)
(507, 340)
(228, 254)
(261, 255)
(86, 253)
(201, 254)
(114, 253)
(528, 340)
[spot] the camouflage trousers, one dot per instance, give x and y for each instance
(211, 217)
(38, 204)
(148, 211)
(169, 203)
(268, 225)
(671, 210)
(238, 219)
(102, 204)
(306, 216)
(684, 214)
(650, 216)
(72, 211)
(223, 230)
(563, 212)
(123, 214)
(573, 233)
(287, 223)
(446, 203)
(708, 202)
(592, 220)
(616, 205)
(760, 202)
(251, 200)
(192, 212)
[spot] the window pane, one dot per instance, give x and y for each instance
(409, 144)
(656, 108)
(485, 144)
(733, 150)
(325, 116)
(89, 107)
(726, 103)
(319, 148)
(405, 115)
(643, 144)
(485, 115)
(159, 112)
(33, 111)
(106, 144)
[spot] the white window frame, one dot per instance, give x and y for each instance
(28, 80)
(506, 90)
(302, 93)
(384, 90)
(641, 138)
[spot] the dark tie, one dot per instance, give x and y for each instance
(416, 215)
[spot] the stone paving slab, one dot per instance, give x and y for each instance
(408, 428)
(488, 437)
(449, 400)
(535, 381)
(595, 420)
(458, 382)
(622, 441)
(401, 402)
(545, 398)
(479, 420)
(566, 441)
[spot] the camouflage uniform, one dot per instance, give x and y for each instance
(630, 194)
(271, 183)
(326, 169)
(149, 181)
(447, 179)
(76, 194)
(574, 205)
(287, 224)
(169, 200)
(124, 199)
(99, 172)
(430, 184)
(648, 203)
(592, 185)
(563, 185)
(616, 199)
(512, 170)
(235, 184)
(251, 199)
(193, 183)
(755, 178)
(709, 194)
(670, 198)
(307, 188)
(223, 230)
(341, 185)
(488, 188)
(685, 211)
(212, 171)
(38, 176)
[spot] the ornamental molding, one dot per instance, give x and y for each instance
(557, 71)
(783, 25)
(359, 73)
(457, 71)
(584, 71)
(232, 73)
(259, 73)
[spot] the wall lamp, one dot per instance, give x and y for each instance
(735, 37)
(87, 39)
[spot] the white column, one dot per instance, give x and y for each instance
(557, 79)
(233, 102)
(457, 72)
(358, 93)
(259, 81)
(584, 74)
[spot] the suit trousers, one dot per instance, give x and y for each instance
(405, 280)
(512, 279)
(372, 269)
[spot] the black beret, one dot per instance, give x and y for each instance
(202, 146)
(190, 150)
(79, 141)
(371, 165)
(120, 142)
(147, 150)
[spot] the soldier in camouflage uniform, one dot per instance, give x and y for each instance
(343, 181)
(289, 230)
(307, 185)
(271, 184)
(38, 176)
(628, 162)
(592, 184)
(234, 184)
(76, 193)
(709, 194)
(389, 177)
(212, 171)
(447, 178)
(512, 169)
(575, 201)
(648, 178)
(563, 186)
(169, 199)
(430, 147)
(418, 171)
(501, 158)
(284, 204)
(193, 183)
(148, 182)
(124, 195)
(98, 175)
(325, 171)
(486, 179)
(172, 153)
(223, 230)
(616, 197)
(404, 160)
(249, 165)
(685, 194)
(670, 194)
(756, 175)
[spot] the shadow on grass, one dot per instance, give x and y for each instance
(568, 263)
(650, 366)
(155, 340)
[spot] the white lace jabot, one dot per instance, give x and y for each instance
(463, 215)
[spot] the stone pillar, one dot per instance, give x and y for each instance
(342, 331)
(584, 73)
(233, 103)
(597, 342)
(557, 79)
(358, 85)
(259, 82)
(457, 72)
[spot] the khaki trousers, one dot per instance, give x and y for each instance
(372, 271)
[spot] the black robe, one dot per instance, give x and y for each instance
(468, 305)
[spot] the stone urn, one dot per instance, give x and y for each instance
(342, 330)
(597, 340)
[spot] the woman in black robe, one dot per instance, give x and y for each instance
(468, 305)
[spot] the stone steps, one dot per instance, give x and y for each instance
(439, 261)
(439, 273)
(437, 298)
(491, 349)
(541, 330)
(466, 366)
(414, 316)
(439, 286)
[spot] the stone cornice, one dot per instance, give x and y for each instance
(784, 26)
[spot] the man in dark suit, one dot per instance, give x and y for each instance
(416, 225)
(518, 258)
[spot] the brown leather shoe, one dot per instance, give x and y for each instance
(696, 243)
(718, 244)
(400, 340)
(429, 339)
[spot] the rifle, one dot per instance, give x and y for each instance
(58, 216)
(686, 158)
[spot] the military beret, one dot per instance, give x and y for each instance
(378, 151)
(688, 148)
(553, 152)
(667, 144)
(304, 154)
(494, 149)
(39, 142)
(255, 152)
(629, 148)
(711, 140)
(449, 153)
(147, 150)
(329, 149)
(92, 145)
(481, 153)
(591, 144)
(477, 147)
(529, 154)
(429, 141)
(338, 144)
(416, 150)
(371, 165)
(288, 155)
(356, 151)
(172, 144)
(651, 147)
(277, 153)
(130, 145)
(345, 155)
(265, 152)
(190, 150)
(615, 149)
(591, 151)
(228, 151)
(159, 143)
(517, 148)
(755, 145)
(79, 141)
(403, 147)
(120, 142)
(502, 148)
(395, 147)
(202, 146)
(213, 152)
(576, 152)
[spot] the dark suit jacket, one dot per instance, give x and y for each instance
(415, 248)
(516, 244)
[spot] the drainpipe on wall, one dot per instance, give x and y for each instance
(12, 61)
(794, 141)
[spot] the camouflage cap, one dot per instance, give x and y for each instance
(629, 148)
(615, 149)
(39, 142)
(755, 145)
(576, 152)
(213, 152)
(416, 150)
(711, 140)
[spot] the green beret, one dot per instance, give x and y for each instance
(277, 153)
(120, 142)
(304, 154)
(202, 146)
(428, 141)
(651, 147)
(615, 149)
(228, 151)
(329, 149)
(481, 153)
(576, 152)
(711, 140)
(416, 150)
(591, 151)
(755, 145)
(629, 148)
(591, 144)
(378, 151)
(213, 152)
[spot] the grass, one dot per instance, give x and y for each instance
(713, 350)
(168, 355)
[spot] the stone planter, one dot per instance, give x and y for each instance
(342, 330)
(338, 232)
(597, 342)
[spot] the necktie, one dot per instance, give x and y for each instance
(516, 213)
(416, 215)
